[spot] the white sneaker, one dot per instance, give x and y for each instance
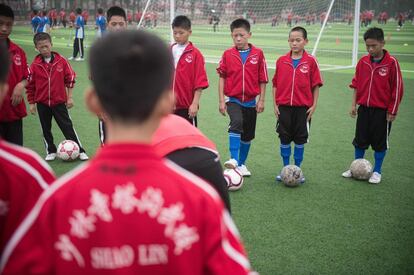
(242, 169)
(347, 174)
(375, 178)
(79, 59)
(50, 157)
(83, 156)
(70, 58)
(231, 164)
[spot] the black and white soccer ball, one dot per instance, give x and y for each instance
(234, 179)
(361, 169)
(291, 175)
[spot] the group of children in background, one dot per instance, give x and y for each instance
(175, 216)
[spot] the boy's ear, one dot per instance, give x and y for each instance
(92, 102)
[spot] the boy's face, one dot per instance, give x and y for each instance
(374, 47)
(117, 23)
(297, 42)
(6, 26)
(44, 47)
(181, 35)
(241, 38)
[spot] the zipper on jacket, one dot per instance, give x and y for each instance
(243, 81)
(293, 86)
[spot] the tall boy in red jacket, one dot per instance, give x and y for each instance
(128, 211)
(295, 91)
(190, 76)
(378, 90)
(50, 92)
(243, 77)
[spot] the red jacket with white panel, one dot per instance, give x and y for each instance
(127, 211)
(23, 177)
(378, 85)
(189, 76)
(242, 81)
(294, 85)
(48, 81)
(18, 72)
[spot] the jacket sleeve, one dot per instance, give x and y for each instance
(200, 75)
(354, 83)
(263, 77)
(70, 75)
(222, 67)
(274, 80)
(397, 88)
(25, 67)
(31, 85)
(316, 78)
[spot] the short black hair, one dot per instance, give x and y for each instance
(374, 33)
(115, 11)
(300, 29)
(181, 21)
(240, 23)
(4, 61)
(35, 12)
(100, 10)
(130, 80)
(78, 11)
(41, 36)
(6, 11)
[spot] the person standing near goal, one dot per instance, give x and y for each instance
(190, 76)
(243, 77)
(378, 90)
(49, 91)
(296, 85)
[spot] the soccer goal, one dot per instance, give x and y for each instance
(332, 25)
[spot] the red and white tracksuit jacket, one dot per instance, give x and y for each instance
(242, 81)
(189, 76)
(18, 72)
(175, 133)
(23, 177)
(294, 85)
(378, 85)
(127, 211)
(48, 81)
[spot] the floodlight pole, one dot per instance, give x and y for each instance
(315, 47)
(356, 33)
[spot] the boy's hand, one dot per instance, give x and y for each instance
(260, 106)
(69, 103)
(222, 108)
(192, 110)
(277, 112)
(17, 95)
(310, 112)
(353, 112)
(32, 108)
(390, 117)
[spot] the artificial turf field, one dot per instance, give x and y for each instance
(330, 225)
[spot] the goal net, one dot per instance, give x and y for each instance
(329, 23)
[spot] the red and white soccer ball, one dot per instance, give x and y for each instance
(68, 150)
(234, 179)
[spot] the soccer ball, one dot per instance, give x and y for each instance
(68, 150)
(361, 169)
(234, 179)
(291, 175)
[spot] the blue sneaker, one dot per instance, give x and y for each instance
(279, 178)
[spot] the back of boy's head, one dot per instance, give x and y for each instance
(6, 11)
(300, 29)
(4, 61)
(130, 81)
(181, 21)
(100, 11)
(374, 33)
(115, 11)
(41, 36)
(78, 11)
(240, 23)
(35, 12)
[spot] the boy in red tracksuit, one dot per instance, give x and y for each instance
(13, 109)
(378, 90)
(190, 76)
(295, 91)
(243, 77)
(128, 211)
(50, 92)
(23, 175)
